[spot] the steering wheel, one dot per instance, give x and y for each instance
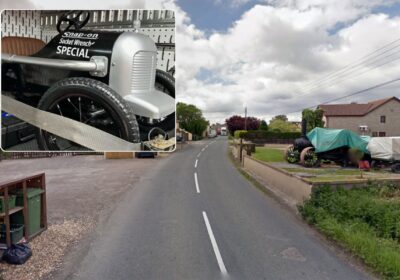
(74, 21)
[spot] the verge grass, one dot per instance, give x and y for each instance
(366, 221)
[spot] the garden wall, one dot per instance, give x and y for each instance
(290, 188)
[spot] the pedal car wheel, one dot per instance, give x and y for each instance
(91, 102)
(166, 83)
(308, 157)
(292, 155)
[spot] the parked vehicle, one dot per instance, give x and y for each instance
(224, 131)
(107, 80)
(212, 133)
(385, 152)
(338, 145)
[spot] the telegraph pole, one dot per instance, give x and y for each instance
(245, 118)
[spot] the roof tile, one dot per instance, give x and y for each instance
(354, 109)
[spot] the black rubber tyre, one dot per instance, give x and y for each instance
(164, 82)
(395, 168)
(116, 116)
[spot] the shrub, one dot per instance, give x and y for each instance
(359, 204)
(240, 134)
(365, 220)
(262, 134)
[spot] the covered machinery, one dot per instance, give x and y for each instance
(324, 140)
(385, 151)
(385, 148)
(338, 145)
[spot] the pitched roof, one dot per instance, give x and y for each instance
(354, 109)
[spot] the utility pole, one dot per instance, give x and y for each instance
(245, 118)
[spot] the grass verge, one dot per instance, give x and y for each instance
(365, 221)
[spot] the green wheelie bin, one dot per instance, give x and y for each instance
(34, 207)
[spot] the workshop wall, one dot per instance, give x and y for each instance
(159, 25)
(21, 24)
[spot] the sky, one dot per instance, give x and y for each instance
(272, 56)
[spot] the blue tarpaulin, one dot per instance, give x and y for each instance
(324, 139)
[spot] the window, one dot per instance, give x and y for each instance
(383, 119)
(374, 134)
(382, 134)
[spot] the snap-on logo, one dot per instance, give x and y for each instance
(81, 35)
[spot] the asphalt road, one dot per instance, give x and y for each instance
(222, 227)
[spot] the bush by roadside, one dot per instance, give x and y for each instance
(266, 135)
(365, 220)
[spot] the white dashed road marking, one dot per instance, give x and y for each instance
(196, 182)
(215, 245)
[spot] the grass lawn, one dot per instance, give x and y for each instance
(269, 154)
(365, 220)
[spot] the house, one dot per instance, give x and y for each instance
(183, 134)
(375, 118)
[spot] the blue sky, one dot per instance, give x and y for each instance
(211, 15)
(392, 10)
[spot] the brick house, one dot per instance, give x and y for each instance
(375, 118)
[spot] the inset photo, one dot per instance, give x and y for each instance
(88, 80)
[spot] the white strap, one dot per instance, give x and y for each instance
(72, 130)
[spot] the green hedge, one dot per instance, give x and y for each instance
(262, 134)
(365, 220)
(240, 133)
(366, 205)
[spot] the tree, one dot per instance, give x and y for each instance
(263, 125)
(239, 123)
(191, 118)
(280, 125)
(280, 117)
(313, 118)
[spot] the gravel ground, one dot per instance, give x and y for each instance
(49, 249)
(80, 190)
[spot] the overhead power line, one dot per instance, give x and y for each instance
(358, 60)
(333, 82)
(351, 94)
(356, 68)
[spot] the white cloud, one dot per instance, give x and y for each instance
(273, 51)
(22, 4)
(268, 56)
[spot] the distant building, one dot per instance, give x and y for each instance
(185, 135)
(218, 127)
(296, 124)
(375, 118)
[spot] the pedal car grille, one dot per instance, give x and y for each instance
(143, 71)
